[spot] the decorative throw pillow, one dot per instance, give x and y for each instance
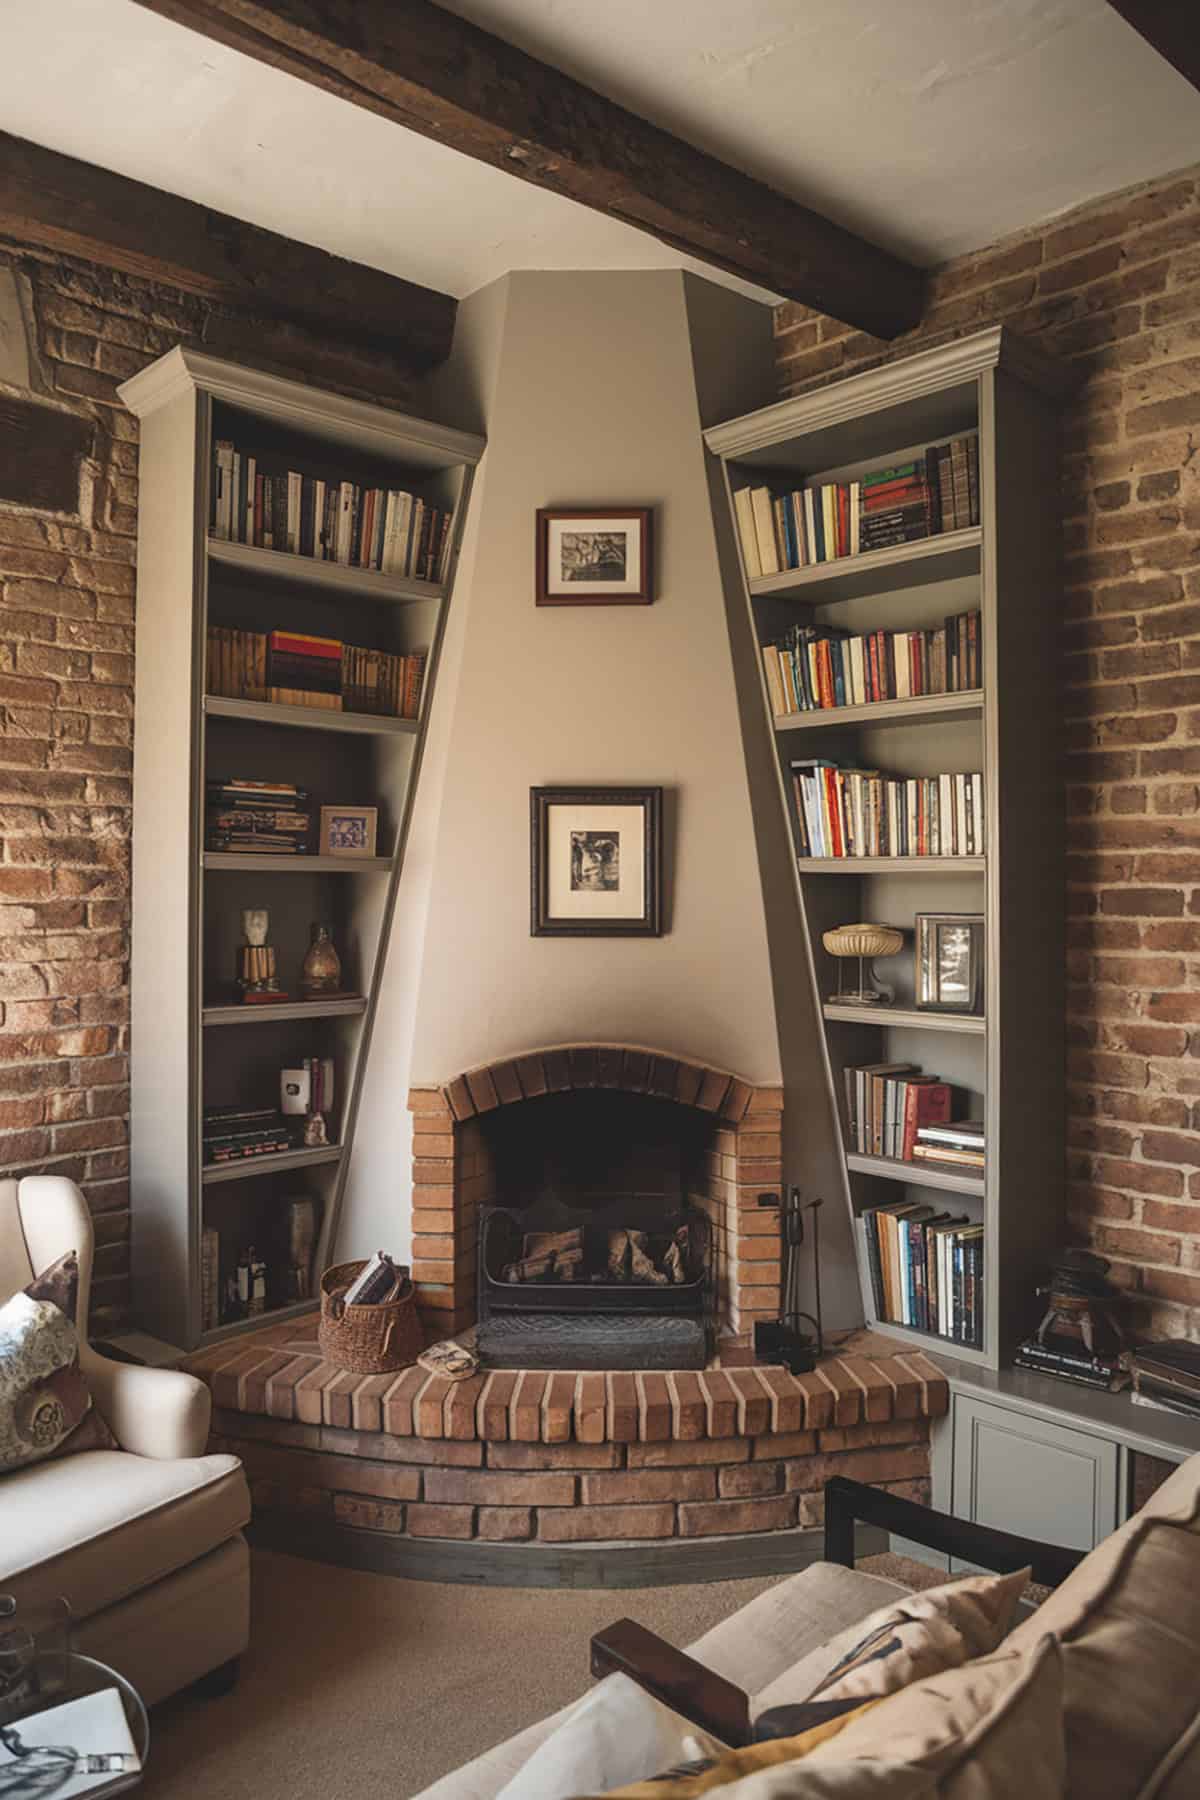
(985, 1731)
(904, 1641)
(617, 1733)
(45, 1407)
(1128, 1619)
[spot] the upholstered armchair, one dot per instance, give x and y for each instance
(145, 1540)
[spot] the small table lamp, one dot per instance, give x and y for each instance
(866, 942)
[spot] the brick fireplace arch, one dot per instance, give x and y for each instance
(453, 1173)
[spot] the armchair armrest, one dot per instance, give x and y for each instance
(675, 1678)
(1002, 1551)
(161, 1413)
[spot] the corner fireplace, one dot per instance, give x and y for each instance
(599, 1140)
(590, 1256)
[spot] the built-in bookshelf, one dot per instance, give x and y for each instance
(1003, 1060)
(199, 1044)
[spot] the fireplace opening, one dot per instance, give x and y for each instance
(592, 1253)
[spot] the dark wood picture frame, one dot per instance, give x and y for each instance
(648, 923)
(927, 979)
(643, 595)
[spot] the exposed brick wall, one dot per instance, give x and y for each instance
(1113, 288)
(66, 733)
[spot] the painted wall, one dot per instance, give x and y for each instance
(594, 387)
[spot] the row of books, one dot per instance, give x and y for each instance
(331, 521)
(888, 1103)
(267, 817)
(1167, 1376)
(843, 812)
(935, 492)
(233, 1133)
(925, 1268)
(820, 666)
(298, 669)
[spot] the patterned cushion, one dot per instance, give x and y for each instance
(45, 1407)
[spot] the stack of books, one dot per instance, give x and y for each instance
(332, 521)
(888, 1105)
(861, 812)
(267, 817)
(820, 666)
(1070, 1360)
(376, 681)
(951, 1144)
(232, 1133)
(922, 497)
(303, 670)
(926, 1269)
(1167, 1377)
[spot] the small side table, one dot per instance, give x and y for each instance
(53, 1771)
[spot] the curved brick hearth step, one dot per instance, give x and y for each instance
(279, 1374)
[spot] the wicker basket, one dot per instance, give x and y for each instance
(367, 1340)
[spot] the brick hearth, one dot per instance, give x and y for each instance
(526, 1457)
(453, 1174)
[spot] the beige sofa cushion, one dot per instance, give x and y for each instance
(1128, 1619)
(915, 1636)
(98, 1526)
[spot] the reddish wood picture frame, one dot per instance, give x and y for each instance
(629, 582)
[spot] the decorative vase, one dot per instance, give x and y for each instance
(322, 969)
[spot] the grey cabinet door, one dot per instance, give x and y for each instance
(1032, 1476)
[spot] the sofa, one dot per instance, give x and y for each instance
(144, 1541)
(1113, 1649)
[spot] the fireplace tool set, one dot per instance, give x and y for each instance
(784, 1339)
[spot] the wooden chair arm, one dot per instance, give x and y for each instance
(673, 1677)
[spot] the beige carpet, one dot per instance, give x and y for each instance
(367, 1686)
(370, 1687)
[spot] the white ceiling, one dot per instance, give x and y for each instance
(931, 126)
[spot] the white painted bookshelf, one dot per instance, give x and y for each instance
(194, 1044)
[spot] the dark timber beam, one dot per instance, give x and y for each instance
(1172, 27)
(58, 203)
(438, 75)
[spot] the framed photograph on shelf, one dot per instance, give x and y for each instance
(948, 972)
(348, 830)
(595, 556)
(595, 862)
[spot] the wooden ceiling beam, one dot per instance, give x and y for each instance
(1171, 27)
(57, 203)
(438, 75)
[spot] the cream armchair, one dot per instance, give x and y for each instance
(145, 1542)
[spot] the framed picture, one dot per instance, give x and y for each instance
(596, 862)
(595, 556)
(948, 976)
(348, 830)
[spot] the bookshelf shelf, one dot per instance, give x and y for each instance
(892, 865)
(194, 1222)
(1005, 1066)
(281, 565)
(915, 1174)
(285, 1010)
(309, 718)
(252, 863)
(215, 1174)
(928, 709)
(874, 572)
(907, 1018)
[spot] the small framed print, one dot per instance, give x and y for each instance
(596, 862)
(595, 556)
(348, 830)
(948, 976)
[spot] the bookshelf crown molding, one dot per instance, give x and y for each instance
(294, 403)
(891, 384)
